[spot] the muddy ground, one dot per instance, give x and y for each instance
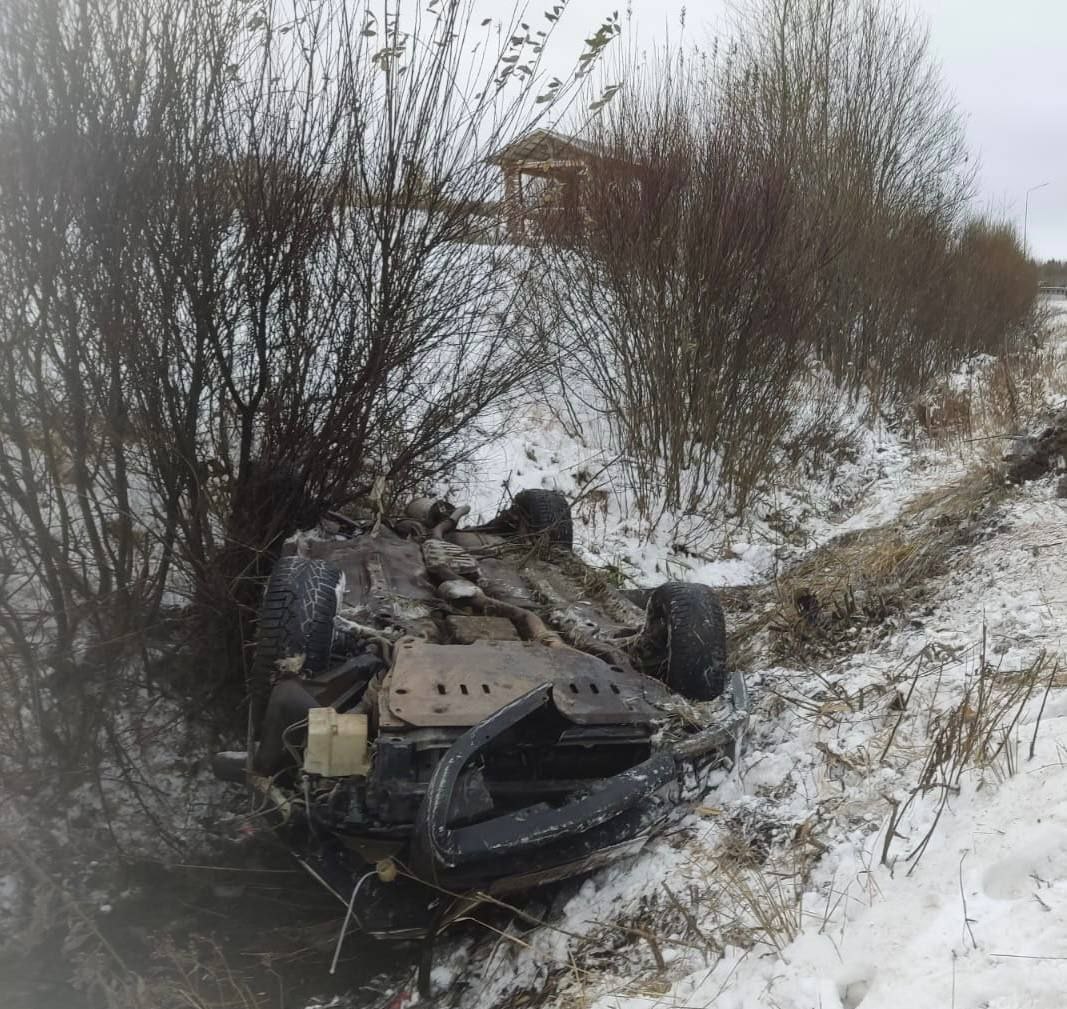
(256, 933)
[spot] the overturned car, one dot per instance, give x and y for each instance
(444, 712)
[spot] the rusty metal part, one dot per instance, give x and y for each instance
(504, 579)
(454, 589)
(577, 637)
(479, 541)
(445, 526)
(571, 622)
(467, 630)
(383, 573)
(442, 554)
(460, 685)
(529, 625)
(557, 591)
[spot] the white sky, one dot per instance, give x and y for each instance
(1004, 60)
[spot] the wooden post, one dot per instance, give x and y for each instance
(513, 215)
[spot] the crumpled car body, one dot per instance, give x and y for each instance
(447, 712)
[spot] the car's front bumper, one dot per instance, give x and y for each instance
(613, 818)
(541, 840)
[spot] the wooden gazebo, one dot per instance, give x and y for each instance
(543, 173)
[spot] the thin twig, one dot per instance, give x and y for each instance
(963, 897)
(1044, 700)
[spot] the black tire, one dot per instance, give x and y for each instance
(547, 513)
(295, 618)
(685, 635)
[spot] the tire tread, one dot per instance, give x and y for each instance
(695, 661)
(547, 511)
(296, 617)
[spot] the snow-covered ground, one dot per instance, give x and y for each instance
(537, 449)
(781, 889)
(818, 873)
(979, 920)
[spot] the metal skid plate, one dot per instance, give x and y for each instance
(378, 570)
(466, 630)
(460, 685)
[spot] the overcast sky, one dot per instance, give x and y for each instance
(1004, 60)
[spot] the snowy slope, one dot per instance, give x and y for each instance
(793, 887)
(811, 800)
(990, 891)
(535, 448)
(572, 450)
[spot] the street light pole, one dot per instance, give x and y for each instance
(1026, 214)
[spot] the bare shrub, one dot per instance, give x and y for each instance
(238, 286)
(796, 202)
(241, 280)
(977, 408)
(683, 315)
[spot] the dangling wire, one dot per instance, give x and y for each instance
(348, 917)
(298, 758)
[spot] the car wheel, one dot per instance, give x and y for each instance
(684, 640)
(294, 625)
(545, 512)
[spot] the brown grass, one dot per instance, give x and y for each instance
(980, 733)
(1002, 397)
(860, 579)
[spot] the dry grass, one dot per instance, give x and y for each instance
(1002, 396)
(859, 580)
(978, 733)
(770, 903)
(192, 977)
(751, 887)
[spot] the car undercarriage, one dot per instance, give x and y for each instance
(444, 712)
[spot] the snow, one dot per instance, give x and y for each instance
(861, 919)
(794, 835)
(980, 923)
(868, 935)
(537, 448)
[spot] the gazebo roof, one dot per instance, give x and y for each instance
(542, 145)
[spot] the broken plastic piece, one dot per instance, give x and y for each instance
(336, 744)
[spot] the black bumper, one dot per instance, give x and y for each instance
(609, 816)
(611, 819)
